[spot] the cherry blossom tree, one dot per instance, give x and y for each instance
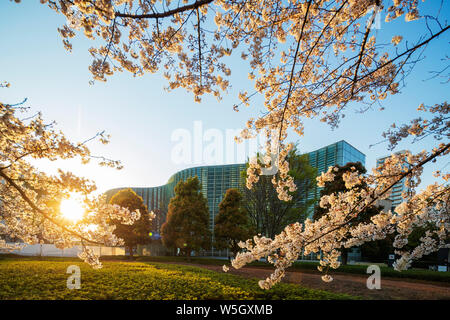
(308, 59)
(30, 198)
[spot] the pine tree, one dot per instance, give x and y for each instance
(232, 224)
(137, 233)
(187, 219)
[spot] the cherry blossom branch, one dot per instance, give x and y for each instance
(110, 41)
(406, 52)
(417, 46)
(38, 210)
(406, 173)
(199, 45)
(363, 46)
(195, 5)
(291, 77)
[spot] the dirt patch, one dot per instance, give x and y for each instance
(352, 284)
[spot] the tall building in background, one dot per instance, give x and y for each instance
(216, 180)
(395, 194)
(339, 153)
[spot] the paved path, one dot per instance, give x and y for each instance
(353, 284)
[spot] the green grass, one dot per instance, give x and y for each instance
(415, 274)
(46, 278)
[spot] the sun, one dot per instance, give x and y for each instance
(72, 209)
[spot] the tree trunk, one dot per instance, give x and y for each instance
(131, 251)
(344, 257)
(188, 254)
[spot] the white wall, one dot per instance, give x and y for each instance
(49, 250)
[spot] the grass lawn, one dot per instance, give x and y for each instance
(46, 278)
(415, 274)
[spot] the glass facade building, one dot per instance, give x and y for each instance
(338, 153)
(216, 180)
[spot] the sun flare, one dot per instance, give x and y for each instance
(72, 209)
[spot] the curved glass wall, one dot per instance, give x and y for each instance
(216, 180)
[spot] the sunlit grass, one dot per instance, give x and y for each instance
(34, 279)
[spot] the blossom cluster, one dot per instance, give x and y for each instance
(29, 204)
(308, 59)
(327, 235)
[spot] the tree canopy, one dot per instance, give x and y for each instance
(187, 224)
(338, 185)
(232, 224)
(28, 209)
(268, 214)
(138, 232)
(307, 59)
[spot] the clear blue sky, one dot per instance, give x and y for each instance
(141, 116)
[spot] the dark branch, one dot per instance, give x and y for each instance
(291, 78)
(363, 47)
(165, 14)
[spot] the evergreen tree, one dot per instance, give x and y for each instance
(137, 233)
(186, 226)
(231, 224)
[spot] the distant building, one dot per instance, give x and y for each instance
(385, 204)
(216, 180)
(395, 194)
(339, 153)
